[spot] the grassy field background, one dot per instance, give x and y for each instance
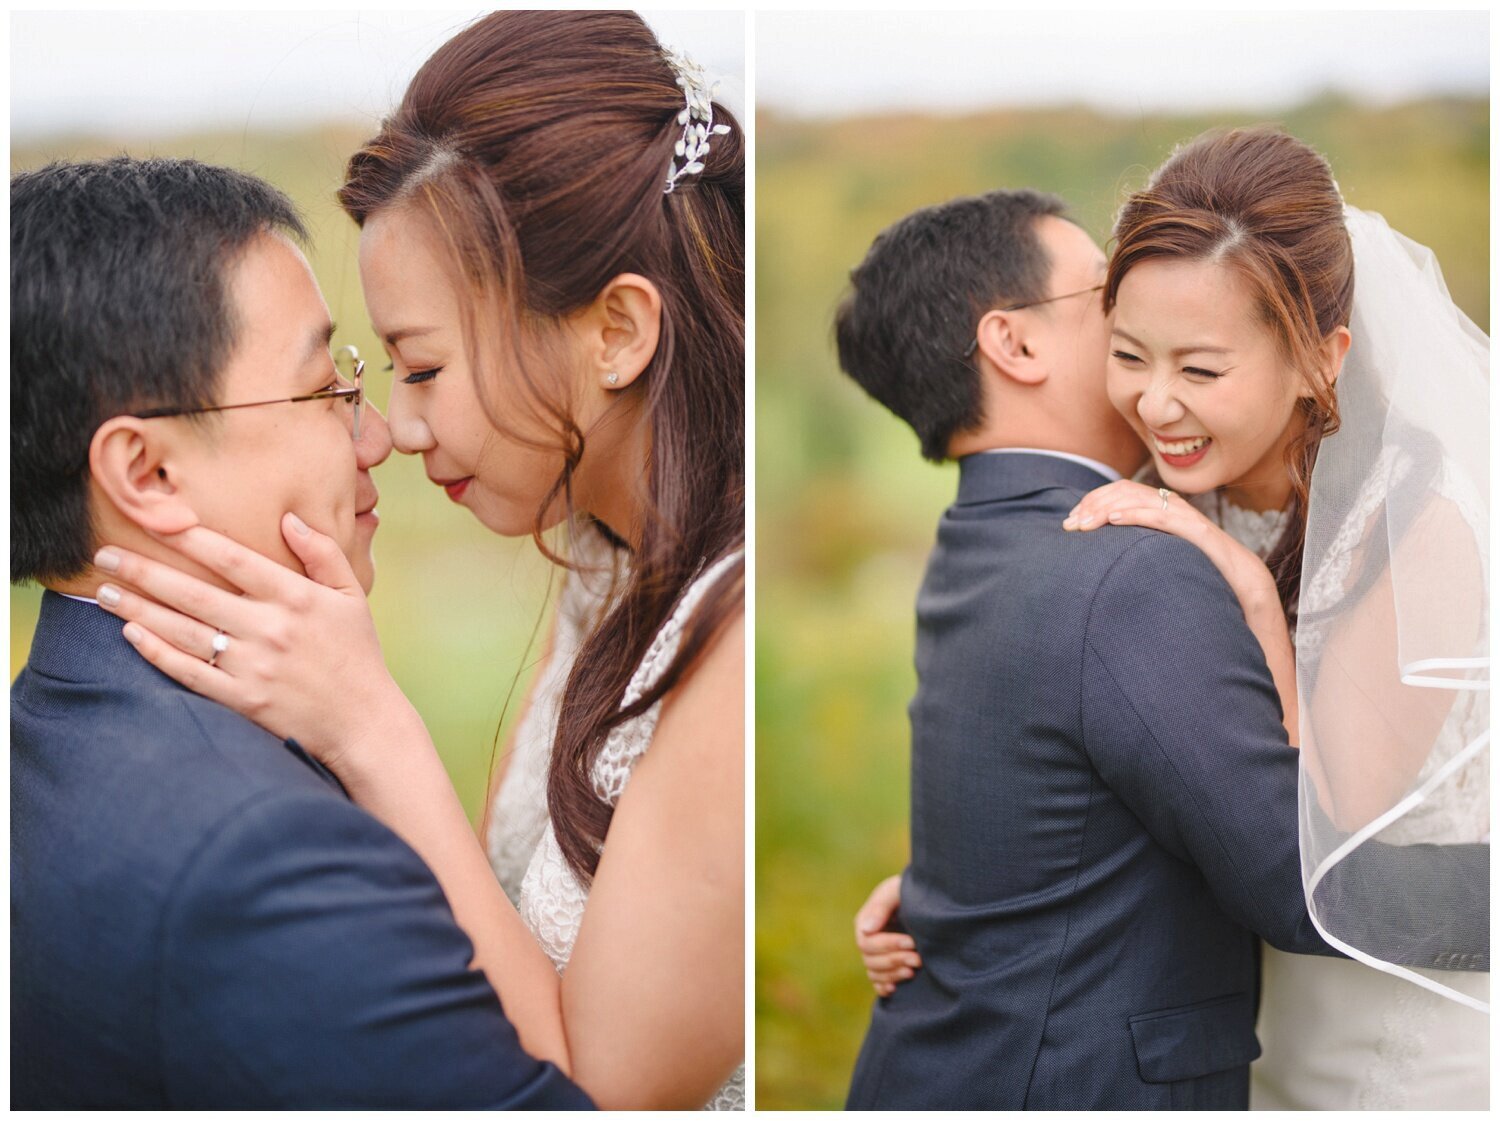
(455, 605)
(846, 508)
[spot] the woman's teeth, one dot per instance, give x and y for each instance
(1181, 447)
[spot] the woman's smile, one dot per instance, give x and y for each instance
(1180, 451)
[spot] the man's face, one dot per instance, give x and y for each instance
(248, 467)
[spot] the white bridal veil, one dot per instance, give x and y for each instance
(1392, 635)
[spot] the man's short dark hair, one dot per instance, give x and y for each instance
(919, 294)
(119, 301)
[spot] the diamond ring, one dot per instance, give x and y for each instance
(220, 644)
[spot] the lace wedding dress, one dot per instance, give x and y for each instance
(523, 848)
(1336, 1034)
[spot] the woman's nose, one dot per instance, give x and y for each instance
(409, 431)
(1158, 405)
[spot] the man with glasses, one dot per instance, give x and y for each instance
(199, 916)
(1103, 799)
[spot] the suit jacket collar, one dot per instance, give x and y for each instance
(81, 643)
(992, 478)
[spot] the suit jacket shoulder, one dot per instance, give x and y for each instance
(201, 918)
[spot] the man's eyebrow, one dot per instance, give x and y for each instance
(318, 342)
(1176, 352)
(407, 332)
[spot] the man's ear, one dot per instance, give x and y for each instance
(1003, 341)
(130, 463)
(621, 329)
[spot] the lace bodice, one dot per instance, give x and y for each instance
(518, 814)
(1257, 530)
(550, 898)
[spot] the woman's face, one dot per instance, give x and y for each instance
(500, 475)
(1202, 380)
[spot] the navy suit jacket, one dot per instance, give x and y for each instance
(201, 918)
(1104, 817)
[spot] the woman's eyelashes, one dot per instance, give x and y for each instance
(1125, 358)
(416, 377)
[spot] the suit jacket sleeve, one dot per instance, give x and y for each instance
(308, 958)
(1182, 720)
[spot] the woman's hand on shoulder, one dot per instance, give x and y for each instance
(1125, 502)
(297, 655)
(889, 956)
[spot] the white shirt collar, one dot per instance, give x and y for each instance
(1092, 464)
(80, 599)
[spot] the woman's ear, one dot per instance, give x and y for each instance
(622, 328)
(1003, 343)
(132, 465)
(1332, 351)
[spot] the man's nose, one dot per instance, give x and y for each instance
(374, 444)
(407, 428)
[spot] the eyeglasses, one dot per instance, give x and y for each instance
(351, 370)
(973, 346)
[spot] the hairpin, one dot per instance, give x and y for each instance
(696, 118)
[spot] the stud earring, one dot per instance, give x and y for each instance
(612, 378)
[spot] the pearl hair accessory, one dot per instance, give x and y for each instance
(696, 117)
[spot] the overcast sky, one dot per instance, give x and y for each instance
(820, 64)
(134, 73)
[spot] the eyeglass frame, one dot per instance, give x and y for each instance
(354, 393)
(973, 346)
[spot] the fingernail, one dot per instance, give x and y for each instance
(1114, 517)
(107, 559)
(109, 596)
(1068, 522)
(133, 634)
(298, 525)
(1085, 523)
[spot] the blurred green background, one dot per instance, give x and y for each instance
(455, 605)
(846, 508)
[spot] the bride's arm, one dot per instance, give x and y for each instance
(399, 778)
(650, 1012)
(1369, 731)
(1130, 503)
(653, 997)
(304, 662)
(654, 990)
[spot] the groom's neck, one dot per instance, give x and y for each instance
(113, 528)
(1125, 457)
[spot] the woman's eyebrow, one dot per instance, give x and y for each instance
(396, 336)
(1175, 352)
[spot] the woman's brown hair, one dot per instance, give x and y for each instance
(1265, 204)
(539, 143)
